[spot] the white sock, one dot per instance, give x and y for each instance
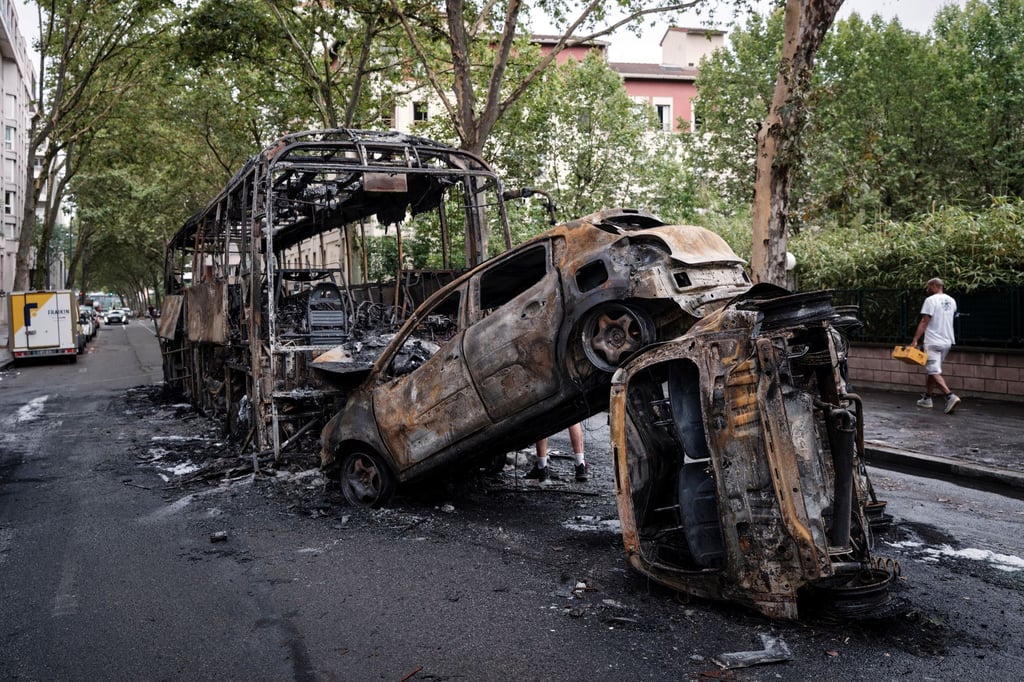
(578, 457)
(542, 462)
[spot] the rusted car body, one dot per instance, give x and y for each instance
(524, 345)
(738, 455)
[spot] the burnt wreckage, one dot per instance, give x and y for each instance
(272, 273)
(738, 449)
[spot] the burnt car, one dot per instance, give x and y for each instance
(524, 345)
(739, 462)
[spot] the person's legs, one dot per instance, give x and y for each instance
(582, 471)
(540, 467)
(935, 384)
(576, 438)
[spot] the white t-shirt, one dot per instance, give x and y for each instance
(942, 309)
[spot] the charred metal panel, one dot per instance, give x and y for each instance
(205, 319)
(170, 315)
(421, 413)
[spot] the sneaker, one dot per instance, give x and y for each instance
(582, 472)
(952, 400)
(538, 474)
(925, 401)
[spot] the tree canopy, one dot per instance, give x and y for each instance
(151, 107)
(871, 150)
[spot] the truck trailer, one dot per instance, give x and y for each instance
(44, 323)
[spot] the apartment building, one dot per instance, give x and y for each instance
(668, 86)
(17, 85)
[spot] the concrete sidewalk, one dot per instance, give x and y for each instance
(983, 440)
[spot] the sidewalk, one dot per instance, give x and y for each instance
(983, 440)
(5, 350)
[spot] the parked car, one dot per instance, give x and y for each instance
(116, 316)
(87, 322)
(523, 346)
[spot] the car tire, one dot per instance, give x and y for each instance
(612, 332)
(366, 481)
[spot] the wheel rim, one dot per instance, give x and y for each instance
(614, 332)
(363, 482)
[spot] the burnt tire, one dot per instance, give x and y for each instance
(612, 332)
(366, 481)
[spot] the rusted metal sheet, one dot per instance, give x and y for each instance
(205, 319)
(170, 314)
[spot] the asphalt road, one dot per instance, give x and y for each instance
(113, 566)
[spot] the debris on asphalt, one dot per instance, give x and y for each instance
(775, 651)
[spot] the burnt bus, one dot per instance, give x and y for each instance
(273, 272)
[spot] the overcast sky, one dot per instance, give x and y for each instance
(915, 15)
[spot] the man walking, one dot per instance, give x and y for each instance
(936, 326)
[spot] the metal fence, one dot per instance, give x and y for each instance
(986, 318)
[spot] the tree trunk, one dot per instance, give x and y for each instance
(778, 140)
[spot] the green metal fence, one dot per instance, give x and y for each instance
(987, 318)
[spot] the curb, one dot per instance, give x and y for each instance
(880, 455)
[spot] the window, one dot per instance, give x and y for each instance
(10, 106)
(664, 112)
(696, 116)
(9, 200)
(10, 169)
(504, 282)
(419, 111)
(440, 324)
(9, 134)
(9, 231)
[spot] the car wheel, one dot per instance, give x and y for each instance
(614, 331)
(365, 480)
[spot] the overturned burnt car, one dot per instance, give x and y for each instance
(524, 345)
(738, 455)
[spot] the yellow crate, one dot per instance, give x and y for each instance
(910, 355)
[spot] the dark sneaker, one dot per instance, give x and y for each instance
(951, 402)
(582, 472)
(538, 474)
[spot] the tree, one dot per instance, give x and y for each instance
(735, 87)
(778, 140)
(89, 56)
(469, 54)
(982, 59)
(579, 135)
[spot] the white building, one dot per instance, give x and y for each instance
(17, 87)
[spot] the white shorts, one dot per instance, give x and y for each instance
(936, 354)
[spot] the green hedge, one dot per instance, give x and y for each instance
(967, 249)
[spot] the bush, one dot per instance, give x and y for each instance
(968, 249)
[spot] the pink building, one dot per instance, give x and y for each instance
(668, 86)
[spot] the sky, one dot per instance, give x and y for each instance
(915, 15)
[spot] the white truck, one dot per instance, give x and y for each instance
(44, 323)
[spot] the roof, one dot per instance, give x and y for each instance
(695, 31)
(654, 71)
(551, 39)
